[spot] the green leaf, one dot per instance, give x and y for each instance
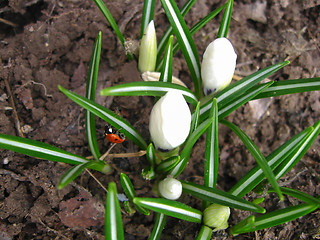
(295, 157)
(168, 164)
(44, 151)
(90, 94)
(195, 118)
(236, 89)
(166, 72)
(255, 175)
(290, 87)
(214, 195)
(75, 171)
(185, 41)
(158, 226)
(211, 164)
(224, 25)
(242, 227)
(113, 228)
(186, 7)
(205, 233)
(283, 215)
(242, 99)
(105, 11)
(195, 28)
(299, 195)
(185, 153)
(157, 89)
(258, 156)
(147, 14)
(151, 156)
(170, 208)
(130, 192)
(107, 115)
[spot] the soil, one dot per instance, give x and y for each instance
(49, 42)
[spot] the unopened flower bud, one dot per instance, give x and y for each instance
(216, 216)
(170, 188)
(218, 65)
(170, 121)
(148, 49)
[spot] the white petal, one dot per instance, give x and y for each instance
(170, 121)
(218, 65)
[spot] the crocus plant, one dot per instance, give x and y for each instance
(178, 118)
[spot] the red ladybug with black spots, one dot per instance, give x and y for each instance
(113, 135)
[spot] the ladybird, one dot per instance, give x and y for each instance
(113, 135)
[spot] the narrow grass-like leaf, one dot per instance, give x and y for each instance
(195, 118)
(166, 72)
(170, 208)
(105, 11)
(236, 89)
(298, 195)
(224, 25)
(44, 151)
(295, 157)
(107, 115)
(205, 233)
(113, 228)
(161, 46)
(214, 195)
(242, 99)
(290, 86)
(246, 225)
(185, 41)
(130, 192)
(211, 164)
(255, 175)
(127, 186)
(283, 215)
(258, 156)
(157, 89)
(195, 28)
(185, 153)
(147, 14)
(158, 226)
(74, 172)
(90, 94)
(168, 164)
(151, 156)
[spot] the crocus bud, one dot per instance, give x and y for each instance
(170, 121)
(216, 216)
(148, 49)
(170, 188)
(218, 65)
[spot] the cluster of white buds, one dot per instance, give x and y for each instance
(218, 65)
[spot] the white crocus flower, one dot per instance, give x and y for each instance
(148, 49)
(216, 216)
(170, 188)
(170, 121)
(218, 65)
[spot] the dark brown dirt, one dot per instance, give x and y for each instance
(48, 42)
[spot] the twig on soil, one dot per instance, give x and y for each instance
(52, 230)
(36, 83)
(101, 185)
(8, 22)
(17, 120)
